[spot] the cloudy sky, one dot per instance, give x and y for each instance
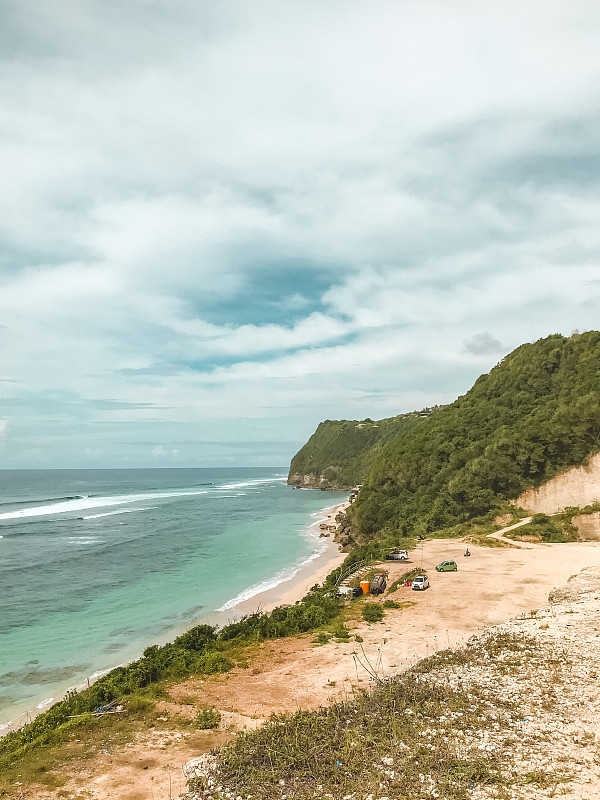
(223, 222)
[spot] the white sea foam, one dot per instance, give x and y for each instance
(270, 583)
(45, 703)
(83, 503)
(120, 511)
(100, 673)
(251, 483)
(84, 540)
(320, 543)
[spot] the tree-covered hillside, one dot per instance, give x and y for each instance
(339, 453)
(533, 415)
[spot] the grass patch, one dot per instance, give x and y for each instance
(407, 576)
(372, 612)
(542, 528)
(78, 739)
(207, 719)
(411, 735)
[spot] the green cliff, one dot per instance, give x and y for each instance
(534, 415)
(340, 452)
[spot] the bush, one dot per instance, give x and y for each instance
(138, 704)
(208, 718)
(213, 662)
(341, 632)
(391, 604)
(372, 612)
(197, 638)
(540, 518)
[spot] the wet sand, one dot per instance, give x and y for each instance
(288, 592)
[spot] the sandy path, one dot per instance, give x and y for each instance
(499, 535)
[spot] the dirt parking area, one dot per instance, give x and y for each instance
(494, 584)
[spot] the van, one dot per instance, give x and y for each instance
(377, 584)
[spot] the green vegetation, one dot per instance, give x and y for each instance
(557, 528)
(412, 735)
(391, 604)
(407, 576)
(340, 452)
(208, 718)
(372, 612)
(202, 651)
(533, 415)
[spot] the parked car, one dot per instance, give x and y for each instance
(377, 584)
(447, 566)
(420, 582)
(357, 591)
(397, 555)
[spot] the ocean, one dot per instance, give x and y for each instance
(95, 565)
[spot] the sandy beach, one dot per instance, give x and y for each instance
(285, 593)
(315, 571)
(493, 585)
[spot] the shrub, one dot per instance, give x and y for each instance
(372, 612)
(537, 518)
(341, 632)
(213, 662)
(208, 718)
(197, 638)
(138, 704)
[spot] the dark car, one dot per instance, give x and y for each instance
(377, 584)
(357, 591)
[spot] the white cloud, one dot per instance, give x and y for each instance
(277, 210)
(3, 431)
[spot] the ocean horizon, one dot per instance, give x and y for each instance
(95, 565)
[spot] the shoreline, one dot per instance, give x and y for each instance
(313, 571)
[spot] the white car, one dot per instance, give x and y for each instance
(397, 555)
(420, 582)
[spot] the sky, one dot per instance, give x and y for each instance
(222, 223)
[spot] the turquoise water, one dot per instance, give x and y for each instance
(97, 564)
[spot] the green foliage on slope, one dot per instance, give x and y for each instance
(412, 735)
(533, 415)
(339, 453)
(203, 650)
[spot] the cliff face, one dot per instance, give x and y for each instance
(339, 453)
(578, 486)
(312, 480)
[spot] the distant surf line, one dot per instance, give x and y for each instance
(84, 502)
